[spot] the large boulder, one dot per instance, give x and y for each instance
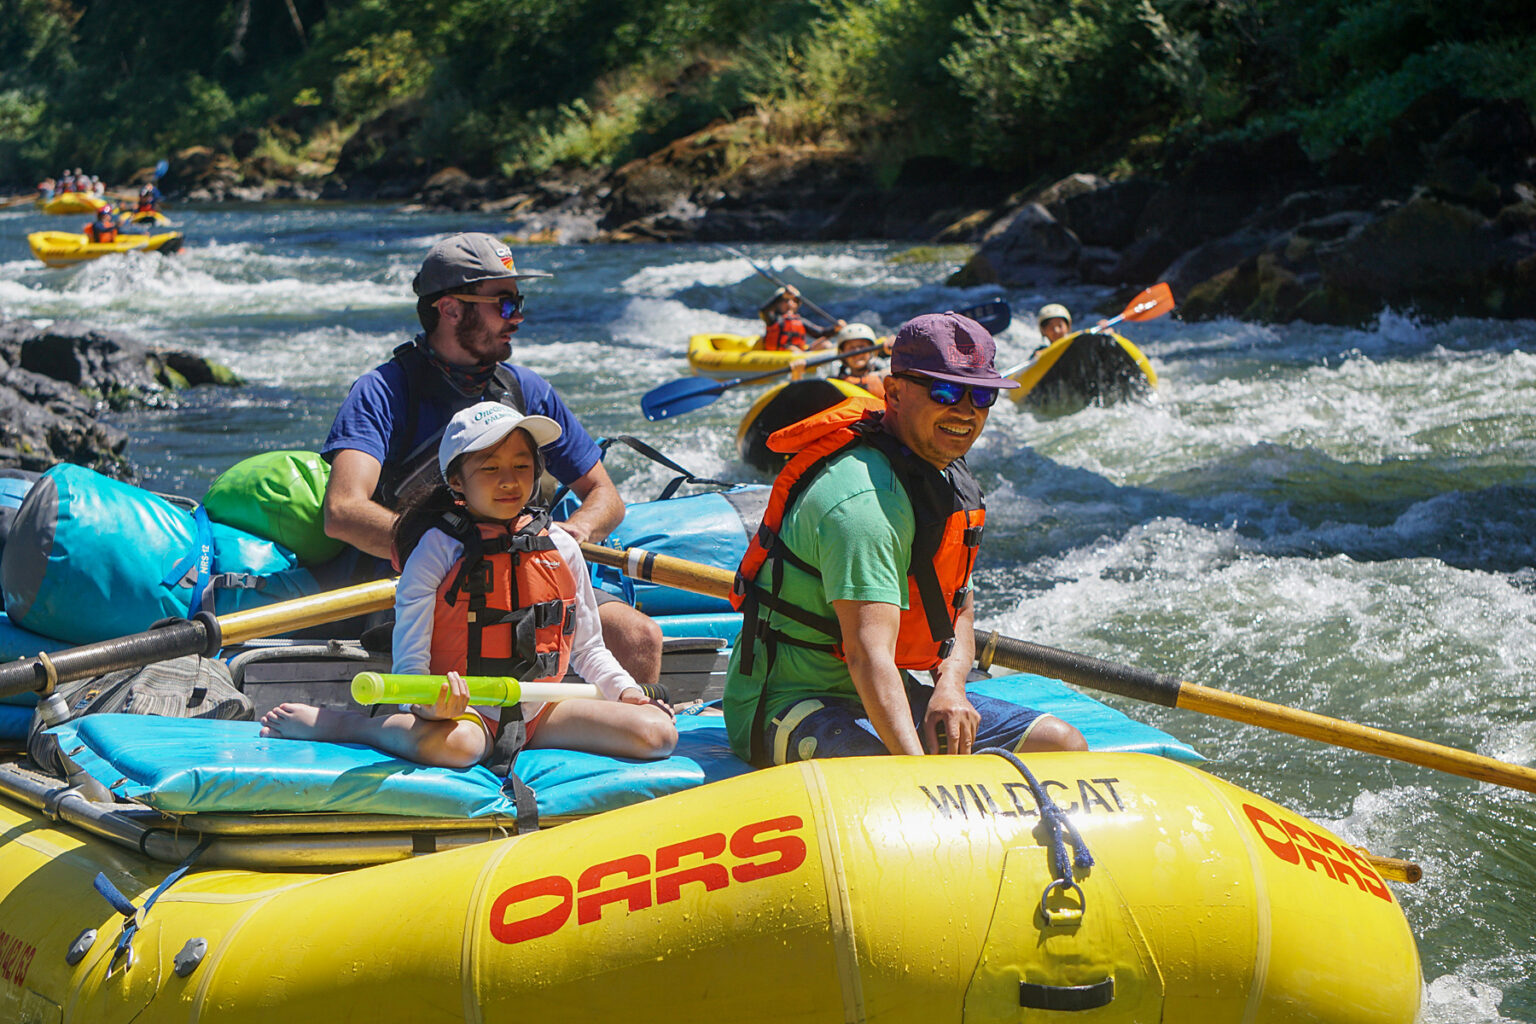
(1030, 248)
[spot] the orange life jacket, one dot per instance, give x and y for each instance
(948, 511)
(508, 606)
(785, 333)
(96, 233)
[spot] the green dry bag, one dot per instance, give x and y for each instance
(277, 496)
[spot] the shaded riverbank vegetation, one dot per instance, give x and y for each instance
(944, 120)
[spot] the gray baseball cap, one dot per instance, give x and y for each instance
(465, 258)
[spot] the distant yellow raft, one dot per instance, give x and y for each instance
(145, 217)
(73, 202)
(63, 248)
(727, 356)
(886, 890)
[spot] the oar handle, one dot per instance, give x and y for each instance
(488, 691)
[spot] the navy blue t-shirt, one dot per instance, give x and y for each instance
(375, 409)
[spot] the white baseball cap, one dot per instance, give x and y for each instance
(486, 425)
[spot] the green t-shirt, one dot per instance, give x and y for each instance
(855, 524)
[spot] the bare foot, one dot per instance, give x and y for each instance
(301, 722)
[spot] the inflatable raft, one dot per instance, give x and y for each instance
(73, 202)
(728, 356)
(65, 248)
(787, 403)
(1112, 886)
(1081, 369)
(145, 217)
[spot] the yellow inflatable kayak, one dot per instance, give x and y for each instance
(63, 248)
(1085, 368)
(787, 403)
(73, 202)
(728, 356)
(145, 217)
(903, 889)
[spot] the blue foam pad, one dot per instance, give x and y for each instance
(15, 720)
(183, 766)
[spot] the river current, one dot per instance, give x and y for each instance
(1341, 520)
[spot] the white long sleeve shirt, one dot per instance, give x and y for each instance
(426, 569)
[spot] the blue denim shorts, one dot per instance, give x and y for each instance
(839, 727)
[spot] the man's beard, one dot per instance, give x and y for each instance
(487, 349)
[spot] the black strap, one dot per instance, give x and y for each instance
(684, 476)
(1067, 997)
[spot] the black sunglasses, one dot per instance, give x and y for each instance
(949, 392)
(511, 305)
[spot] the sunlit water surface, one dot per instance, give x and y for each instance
(1335, 519)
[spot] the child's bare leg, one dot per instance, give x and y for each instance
(453, 743)
(608, 727)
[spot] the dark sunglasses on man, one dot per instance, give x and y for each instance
(949, 392)
(511, 305)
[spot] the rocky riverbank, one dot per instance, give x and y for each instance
(1257, 230)
(58, 382)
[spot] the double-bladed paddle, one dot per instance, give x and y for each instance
(1147, 305)
(688, 393)
(1126, 681)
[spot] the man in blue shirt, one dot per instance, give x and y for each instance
(384, 441)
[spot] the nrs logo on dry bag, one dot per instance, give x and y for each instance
(90, 558)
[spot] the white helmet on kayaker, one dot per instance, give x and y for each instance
(854, 332)
(1053, 311)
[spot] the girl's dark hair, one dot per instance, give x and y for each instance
(425, 504)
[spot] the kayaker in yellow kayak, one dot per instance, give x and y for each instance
(861, 573)
(103, 228)
(448, 622)
(857, 370)
(1055, 322)
(787, 329)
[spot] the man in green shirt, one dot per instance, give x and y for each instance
(873, 512)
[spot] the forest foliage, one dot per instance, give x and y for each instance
(517, 86)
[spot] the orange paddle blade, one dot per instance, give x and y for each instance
(1150, 304)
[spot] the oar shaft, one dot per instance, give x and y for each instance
(194, 636)
(1127, 681)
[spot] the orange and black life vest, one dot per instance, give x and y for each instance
(96, 232)
(948, 512)
(508, 607)
(787, 332)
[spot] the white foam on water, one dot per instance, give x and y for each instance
(1450, 999)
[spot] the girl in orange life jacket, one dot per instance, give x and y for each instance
(472, 545)
(786, 330)
(856, 370)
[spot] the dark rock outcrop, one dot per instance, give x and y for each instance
(57, 381)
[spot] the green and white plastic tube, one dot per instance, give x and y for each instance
(487, 691)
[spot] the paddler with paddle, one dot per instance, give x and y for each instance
(858, 341)
(862, 568)
(383, 444)
(786, 329)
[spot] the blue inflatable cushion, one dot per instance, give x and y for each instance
(185, 766)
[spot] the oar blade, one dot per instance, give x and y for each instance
(680, 396)
(995, 316)
(1151, 304)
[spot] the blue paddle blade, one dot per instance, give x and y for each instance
(161, 168)
(682, 395)
(995, 316)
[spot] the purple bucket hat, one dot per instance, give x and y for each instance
(948, 346)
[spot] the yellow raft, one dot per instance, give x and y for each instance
(145, 217)
(886, 890)
(1085, 368)
(728, 356)
(73, 202)
(64, 248)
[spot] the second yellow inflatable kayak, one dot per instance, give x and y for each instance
(727, 356)
(65, 248)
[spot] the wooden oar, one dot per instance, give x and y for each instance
(1126, 681)
(1147, 305)
(203, 634)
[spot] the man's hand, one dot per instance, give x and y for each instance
(951, 709)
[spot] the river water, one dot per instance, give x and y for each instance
(1342, 520)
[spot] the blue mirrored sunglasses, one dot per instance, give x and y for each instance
(511, 305)
(949, 392)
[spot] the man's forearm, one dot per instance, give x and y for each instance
(367, 526)
(884, 696)
(599, 513)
